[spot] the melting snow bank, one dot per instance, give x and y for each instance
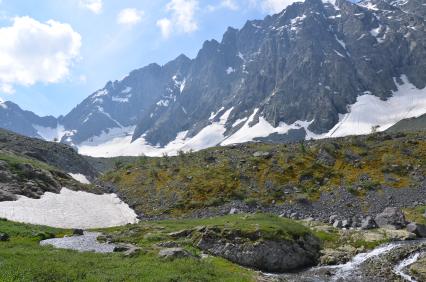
(70, 209)
(367, 112)
(85, 243)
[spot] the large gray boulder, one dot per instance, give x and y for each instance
(418, 229)
(391, 218)
(253, 251)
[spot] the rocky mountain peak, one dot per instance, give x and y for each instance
(301, 73)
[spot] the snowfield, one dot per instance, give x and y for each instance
(80, 178)
(70, 209)
(367, 112)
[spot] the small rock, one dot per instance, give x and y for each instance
(173, 253)
(168, 244)
(78, 232)
(181, 233)
(355, 222)
(418, 229)
(266, 155)
(233, 211)
(325, 158)
(368, 223)
(346, 223)
(337, 224)
(4, 237)
(127, 249)
(332, 219)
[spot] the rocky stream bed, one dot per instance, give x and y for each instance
(388, 262)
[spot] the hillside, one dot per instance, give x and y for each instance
(32, 167)
(412, 124)
(279, 177)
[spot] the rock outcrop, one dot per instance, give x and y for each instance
(253, 250)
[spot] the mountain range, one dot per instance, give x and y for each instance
(317, 69)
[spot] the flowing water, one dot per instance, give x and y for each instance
(353, 270)
(399, 268)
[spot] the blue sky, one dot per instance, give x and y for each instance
(54, 53)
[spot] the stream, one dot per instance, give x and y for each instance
(390, 259)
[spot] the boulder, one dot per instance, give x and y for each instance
(391, 218)
(325, 158)
(355, 222)
(4, 237)
(332, 219)
(337, 224)
(78, 232)
(5, 176)
(265, 155)
(234, 211)
(173, 253)
(418, 229)
(368, 223)
(168, 244)
(181, 233)
(127, 249)
(252, 250)
(346, 223)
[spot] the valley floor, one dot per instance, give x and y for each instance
(22, 258)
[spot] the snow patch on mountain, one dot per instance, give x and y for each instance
(127, 90)
(120, 100)
(49, 133)
(261, 129)
(80, 178)
(370, 111)
(109, 135)
(367, 112)
(105, 146)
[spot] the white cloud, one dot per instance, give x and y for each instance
(31, 51)
(7, 89)
(227, 4)
(93, 5)
(130, 16)
(276, 6)
(230, 4)
(182, 17)
(82, 78)
(165, 26)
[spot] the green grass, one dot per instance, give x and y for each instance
(416, 214)
(13, 160)
(269, 226)
(22, 259)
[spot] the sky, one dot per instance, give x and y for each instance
(54, 53)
